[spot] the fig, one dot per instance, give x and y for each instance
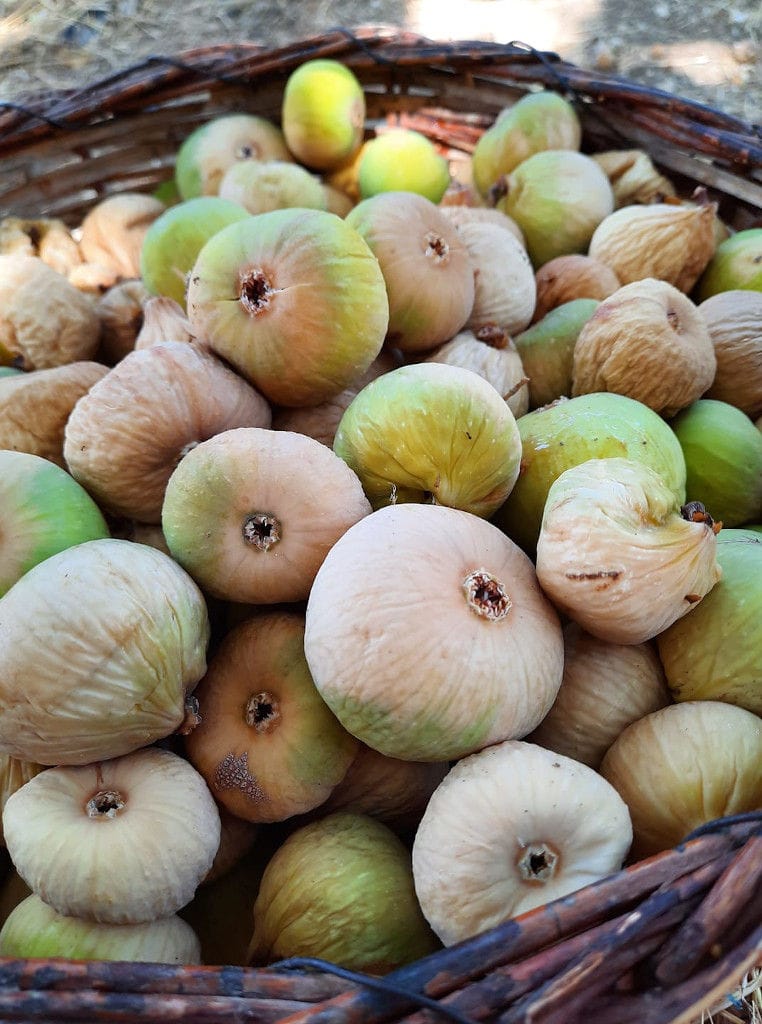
(736, 265)
(683, 766)
(647, 341)
(633, 177)
(734, 320)
(571, 277)
(120, 312)
(99, 646)
(546, 350)
(617, 553)
(402, 160)
(336, 201)
(558, 198)
(713, 653)
(247, 525)
(323, 113)
(294, 299)
(172, 243)
(259, 187)
(570, 431)
(114, 229)
(44, 511)
(34, 407)
(341, 889)
(267, 745)
(48, 238)
(163, 320)
(491, 641)
(210, 149)
(35, 930)
(124, 438)
(44, 320)
(482, 215)
(14, 774)
(723, 459)
(426, 267)
(672, 242)
(510, 828)
(605, 688)
(431, 432)
(123, 841)
(536, 122)
(505, 290)
(491, 353)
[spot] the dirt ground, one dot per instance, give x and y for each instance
(709, 50)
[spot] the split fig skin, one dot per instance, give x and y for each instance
(647, 341)
(123, 841)
(683, 766)
(510, 828)
(252, 513)
(431, 432)
(294, 300)
(99, 647)
(267, 744)
(428, 273)
(431, 694)
(619, 556)
(341, 889)
(124, 439)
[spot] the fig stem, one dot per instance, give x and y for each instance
(486, 595)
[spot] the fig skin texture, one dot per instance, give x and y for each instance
(510, 828)
(505, 290)
(267, 745)
(605, 688)
(570, 431)
(44, 320)
(14, 774)
(431, 431)
(294, 299)
(736, 264)
(114, 229)
(402, 160)
(575, 276)
(482, 215)
(633, 177)
(99, 646)
(123, 841)
(671, 242)
(713, 653)
(427, 270)
(120, 312)
(163, 320)
(124, 438)
(323, 113)
(35, 930)
(210, 149)
(546, 350)
(647, 341)
(44, 511)
(252, 513)
(259, 187)
(485, 666)
(618, 555)
(491, 353)
(683, 766)
(341, 889)
(734, 320)
(35, 407)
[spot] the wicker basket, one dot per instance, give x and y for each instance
(657, 943)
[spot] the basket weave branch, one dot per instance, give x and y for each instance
(657, 943)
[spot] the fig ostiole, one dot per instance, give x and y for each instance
(619, 556)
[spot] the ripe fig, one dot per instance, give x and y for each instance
(259, 187)
(323, 113)
(402, 160)
(736, 264)
(547, 350)
(734, 319)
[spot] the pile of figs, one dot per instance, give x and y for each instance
(380, 537)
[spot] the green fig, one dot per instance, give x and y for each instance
(547, 350)
(572, 430)
(323, 113)
(558, 198)
(210, 149)
(723, 458)
(538, 121)
(341, 889)
(402, 160)
(736, 264)
(174, 240)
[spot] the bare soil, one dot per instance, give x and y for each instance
(709, 50)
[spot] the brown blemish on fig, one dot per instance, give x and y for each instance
(493, 335)
(254, 291)
(486, 595)
(693, 598)
(262, 711)
(599, 574)
(673, 319)
(233, 773)
(538, 863)
(261, 530)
